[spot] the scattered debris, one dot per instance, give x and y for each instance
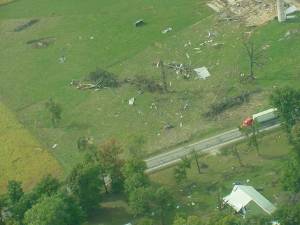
(189, 43)
(182, 69)
(252, 12)
(131, 101)
(42, 42)
(169, 126)
(291, 10)
(26, 25)
(62, 59)
(167, 30)
(202, 73)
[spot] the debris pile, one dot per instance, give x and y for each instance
(227, 103)
(97, 80)
(41, 43)
(252, 12)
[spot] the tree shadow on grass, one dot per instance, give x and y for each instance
(110, 216)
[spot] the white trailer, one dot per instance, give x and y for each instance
(265, 115)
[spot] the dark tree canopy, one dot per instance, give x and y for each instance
(56, 209)
(287, 101)
(85, 184)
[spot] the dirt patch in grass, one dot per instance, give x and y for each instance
(5, 2)
(41, 42)
(26, 25)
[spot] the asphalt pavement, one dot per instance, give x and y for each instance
(174, 156)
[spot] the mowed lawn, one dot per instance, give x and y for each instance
(93, 34)
(22, 156)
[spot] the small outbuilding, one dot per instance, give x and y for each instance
(139, 23)
(242, 196)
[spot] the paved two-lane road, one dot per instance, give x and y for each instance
(164, 160)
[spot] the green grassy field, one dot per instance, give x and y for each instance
(30, 76)
(22, 156)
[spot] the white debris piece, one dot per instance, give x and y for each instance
(202, 73)
(92, 37)
(54, 146)
(168, 29)
(193, 203)
(131, 101)
(187, 55)
(291, 10)
(62, 59)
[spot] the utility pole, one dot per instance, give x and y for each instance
(281, 11)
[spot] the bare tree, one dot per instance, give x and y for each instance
(236, 153)
(163, 75)
(254, 56)
(195, 156)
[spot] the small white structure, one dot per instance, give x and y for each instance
(202, 73)
(242, 195)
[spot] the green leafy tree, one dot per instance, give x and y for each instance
(251, 134)
(19, 209)
(191, 220)
(180, 171)
(145, 221)
(52, 210)
(180, 221)
(288, 214)
(14, 191)
(55, 111)
(85, 184)
(162, 204)
(49, 185)
(139, 201)
(134, 174)
(291, 174)
(296, 138)
(111, 163)
(287, 101)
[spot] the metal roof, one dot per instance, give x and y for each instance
(242, 195)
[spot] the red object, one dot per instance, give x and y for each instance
(247, 122)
